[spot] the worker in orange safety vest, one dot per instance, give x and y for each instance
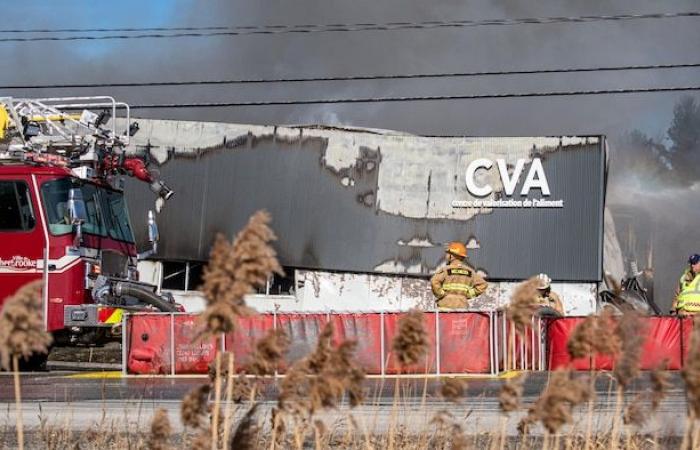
(457, 283)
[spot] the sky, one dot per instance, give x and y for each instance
(650, 41)
(484, 48)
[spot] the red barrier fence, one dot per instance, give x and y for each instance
(458, 342)
(666, 341)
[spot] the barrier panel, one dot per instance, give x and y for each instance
(459, 342)
(303, 331)
(664, 342)
(427, 364)
(366, 329)
(464, 343)
(247, 332)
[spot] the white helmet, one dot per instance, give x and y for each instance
(543, 281)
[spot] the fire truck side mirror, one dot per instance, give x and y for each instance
(76, 207)
(153, 235)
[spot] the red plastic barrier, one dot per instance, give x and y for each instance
(365, 329)
(464, 343)
(150, 347)
(242, 341)
(686, 326)
(149, 344)
(192, 355)
(663, 341)
(427, 364)
(303, 331)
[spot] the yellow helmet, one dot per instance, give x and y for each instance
(457, 249)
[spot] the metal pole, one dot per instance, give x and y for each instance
(523, 350)
(172, 344)
(381, 343)
(437, 342)
(187, 276)
(532, 343)
(125, 343)
(495, 342)
(505, 341)
(492, 359)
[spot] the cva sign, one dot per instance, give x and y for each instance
(535, 178)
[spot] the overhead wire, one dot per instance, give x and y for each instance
(242, 30)
(358, 77)
(415, 98)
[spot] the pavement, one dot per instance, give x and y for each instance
(81, 401)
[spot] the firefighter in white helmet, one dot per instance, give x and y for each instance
(545, 295)
(457, 283)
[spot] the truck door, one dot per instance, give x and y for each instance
(22, 239)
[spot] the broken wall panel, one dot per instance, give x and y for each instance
(377, 202)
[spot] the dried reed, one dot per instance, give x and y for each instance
(194, 406)
(22, 334)
(452, 389)
(691, 371)
(411, 342)
(160, 431)
(555, 404)
(511, 394)
(523, 304)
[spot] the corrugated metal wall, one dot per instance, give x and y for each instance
(331, 217)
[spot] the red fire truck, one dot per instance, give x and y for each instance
(63, 218)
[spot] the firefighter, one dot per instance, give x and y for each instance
(688, 293)
(457, 283)
(545, 295)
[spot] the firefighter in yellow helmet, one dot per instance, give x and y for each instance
(545, 295)
(688, 293)
(455, 284)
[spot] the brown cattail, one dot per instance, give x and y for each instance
(246, 434)
(22, 330)
(630, 334)
(194, 406)
(635, 413)
(691, 371)
(320, 379)
(160, 431)
(452, 389)
(511, 393)
(555, 404)
(411, 342)
(596, 334)
(660, 382)
(523, 304)
(238, 269)
(202, 441)
(269, 352)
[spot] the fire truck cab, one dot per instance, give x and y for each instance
(63, 217)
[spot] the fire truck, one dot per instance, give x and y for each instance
(63, 217)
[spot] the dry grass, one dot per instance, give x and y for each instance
(554, 407)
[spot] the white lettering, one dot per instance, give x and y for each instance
(508, 181)
(472, 187)
(536, 170)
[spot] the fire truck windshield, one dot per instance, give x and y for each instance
(106, 209)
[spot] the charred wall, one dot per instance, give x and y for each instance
(337, 200)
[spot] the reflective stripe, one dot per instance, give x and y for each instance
(459, 287)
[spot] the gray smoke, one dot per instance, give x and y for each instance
(408, 51)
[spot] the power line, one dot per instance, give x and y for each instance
(414, 98)
(359, 77)
(157, 33)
